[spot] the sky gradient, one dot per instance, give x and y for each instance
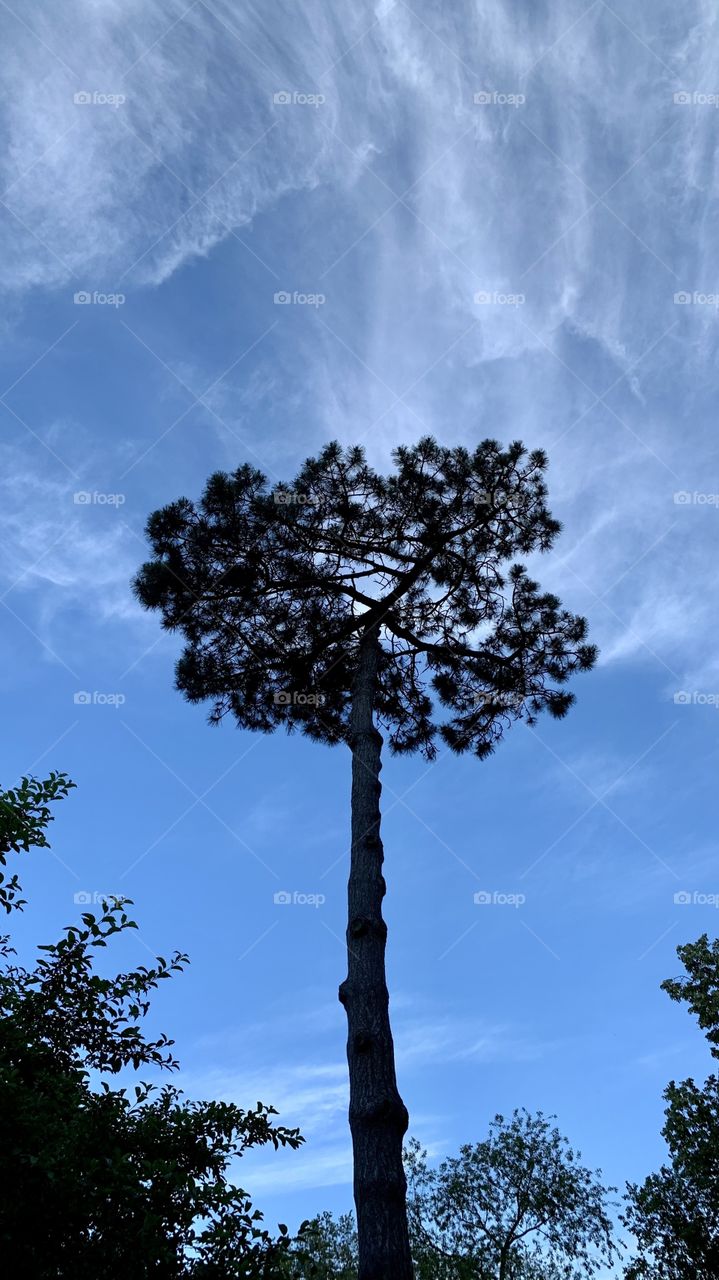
(231, 233)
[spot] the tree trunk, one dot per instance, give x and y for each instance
(378, 1117)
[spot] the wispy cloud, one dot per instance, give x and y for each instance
(566, 195)
(59, 553)
(312, 1090)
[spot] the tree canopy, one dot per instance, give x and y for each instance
(272, 586)
(674, 1213)
(97, 1180)
(518, 1205)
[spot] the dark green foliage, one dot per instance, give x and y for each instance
(24, 815)
(518, 1206)
(99, 1182)
(700, 989)
(271, 589)
(325, 1249)
(674, 1214)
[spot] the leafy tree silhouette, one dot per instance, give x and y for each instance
(99, 1181)
(349, 600)
(673, 1213)
(518, 1205)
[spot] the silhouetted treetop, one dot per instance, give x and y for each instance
(273, 587)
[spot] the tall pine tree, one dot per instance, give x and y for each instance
(347, 602)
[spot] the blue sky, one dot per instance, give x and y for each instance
(491, 220)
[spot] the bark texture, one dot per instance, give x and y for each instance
(377, 1115)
